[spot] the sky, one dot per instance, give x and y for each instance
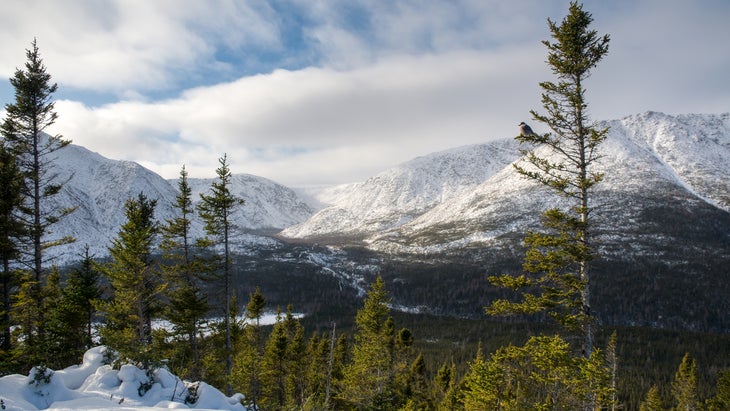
(320, 92)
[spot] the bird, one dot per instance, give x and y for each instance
(525, 130)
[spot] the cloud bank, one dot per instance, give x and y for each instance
(324, 92)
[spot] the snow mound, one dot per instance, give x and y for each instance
(96, 386)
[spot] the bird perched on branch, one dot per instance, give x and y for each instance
(525, 130)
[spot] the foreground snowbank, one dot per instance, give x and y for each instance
(95, 386)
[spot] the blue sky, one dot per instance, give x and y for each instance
(308, 92)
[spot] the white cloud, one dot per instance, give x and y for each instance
(381, 114)
(122, 45)
(376, 82)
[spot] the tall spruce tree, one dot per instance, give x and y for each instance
(558, 261)
(184, 272)
(216, 209)
(136, 285)
(23, 130)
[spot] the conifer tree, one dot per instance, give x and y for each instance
(653, 401)
(443, 381)
(11, 233)
(81, 292)
(558, 261)
(418, 391)
(60, 345)
(684, 385)
(367, 379)
(25, 317)
(542, 374)
(216, 209)
(340, 358)
(184, 273)
(721, 401)
(612, 364)
(23, 132)
(296, 361)
(274, 367)
(319, 350)
(249, 354)
(136, 285)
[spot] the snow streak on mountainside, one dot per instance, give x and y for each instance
(400, 194)
(98, 187)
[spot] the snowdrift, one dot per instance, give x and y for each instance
(96, 386)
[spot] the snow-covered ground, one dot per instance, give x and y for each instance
(95, 386)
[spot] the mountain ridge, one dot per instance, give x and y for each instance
(455, 187)
(436, 226)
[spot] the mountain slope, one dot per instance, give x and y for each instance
(98, 187)
(398, 195)
(649, 160)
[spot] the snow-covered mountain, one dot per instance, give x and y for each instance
(461, 197)
(98, 187)
(400, 194)
(437, 225)
(472, 196)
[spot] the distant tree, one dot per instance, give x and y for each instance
(23, 131)
(297, 361)
(216, 209)
(319, 353)
(274, 367)
(612, 365)
(558, 260)
(542, 374)
(653, 401)
(721, 401)
(367, 380)
(69, 312)
(418, 388)
(81, 291)
(249, 355)
(60, 343)
(684, 386)
(444, 382)
(11, 233)
(339, 361)
(135, 283)
(184, 273)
